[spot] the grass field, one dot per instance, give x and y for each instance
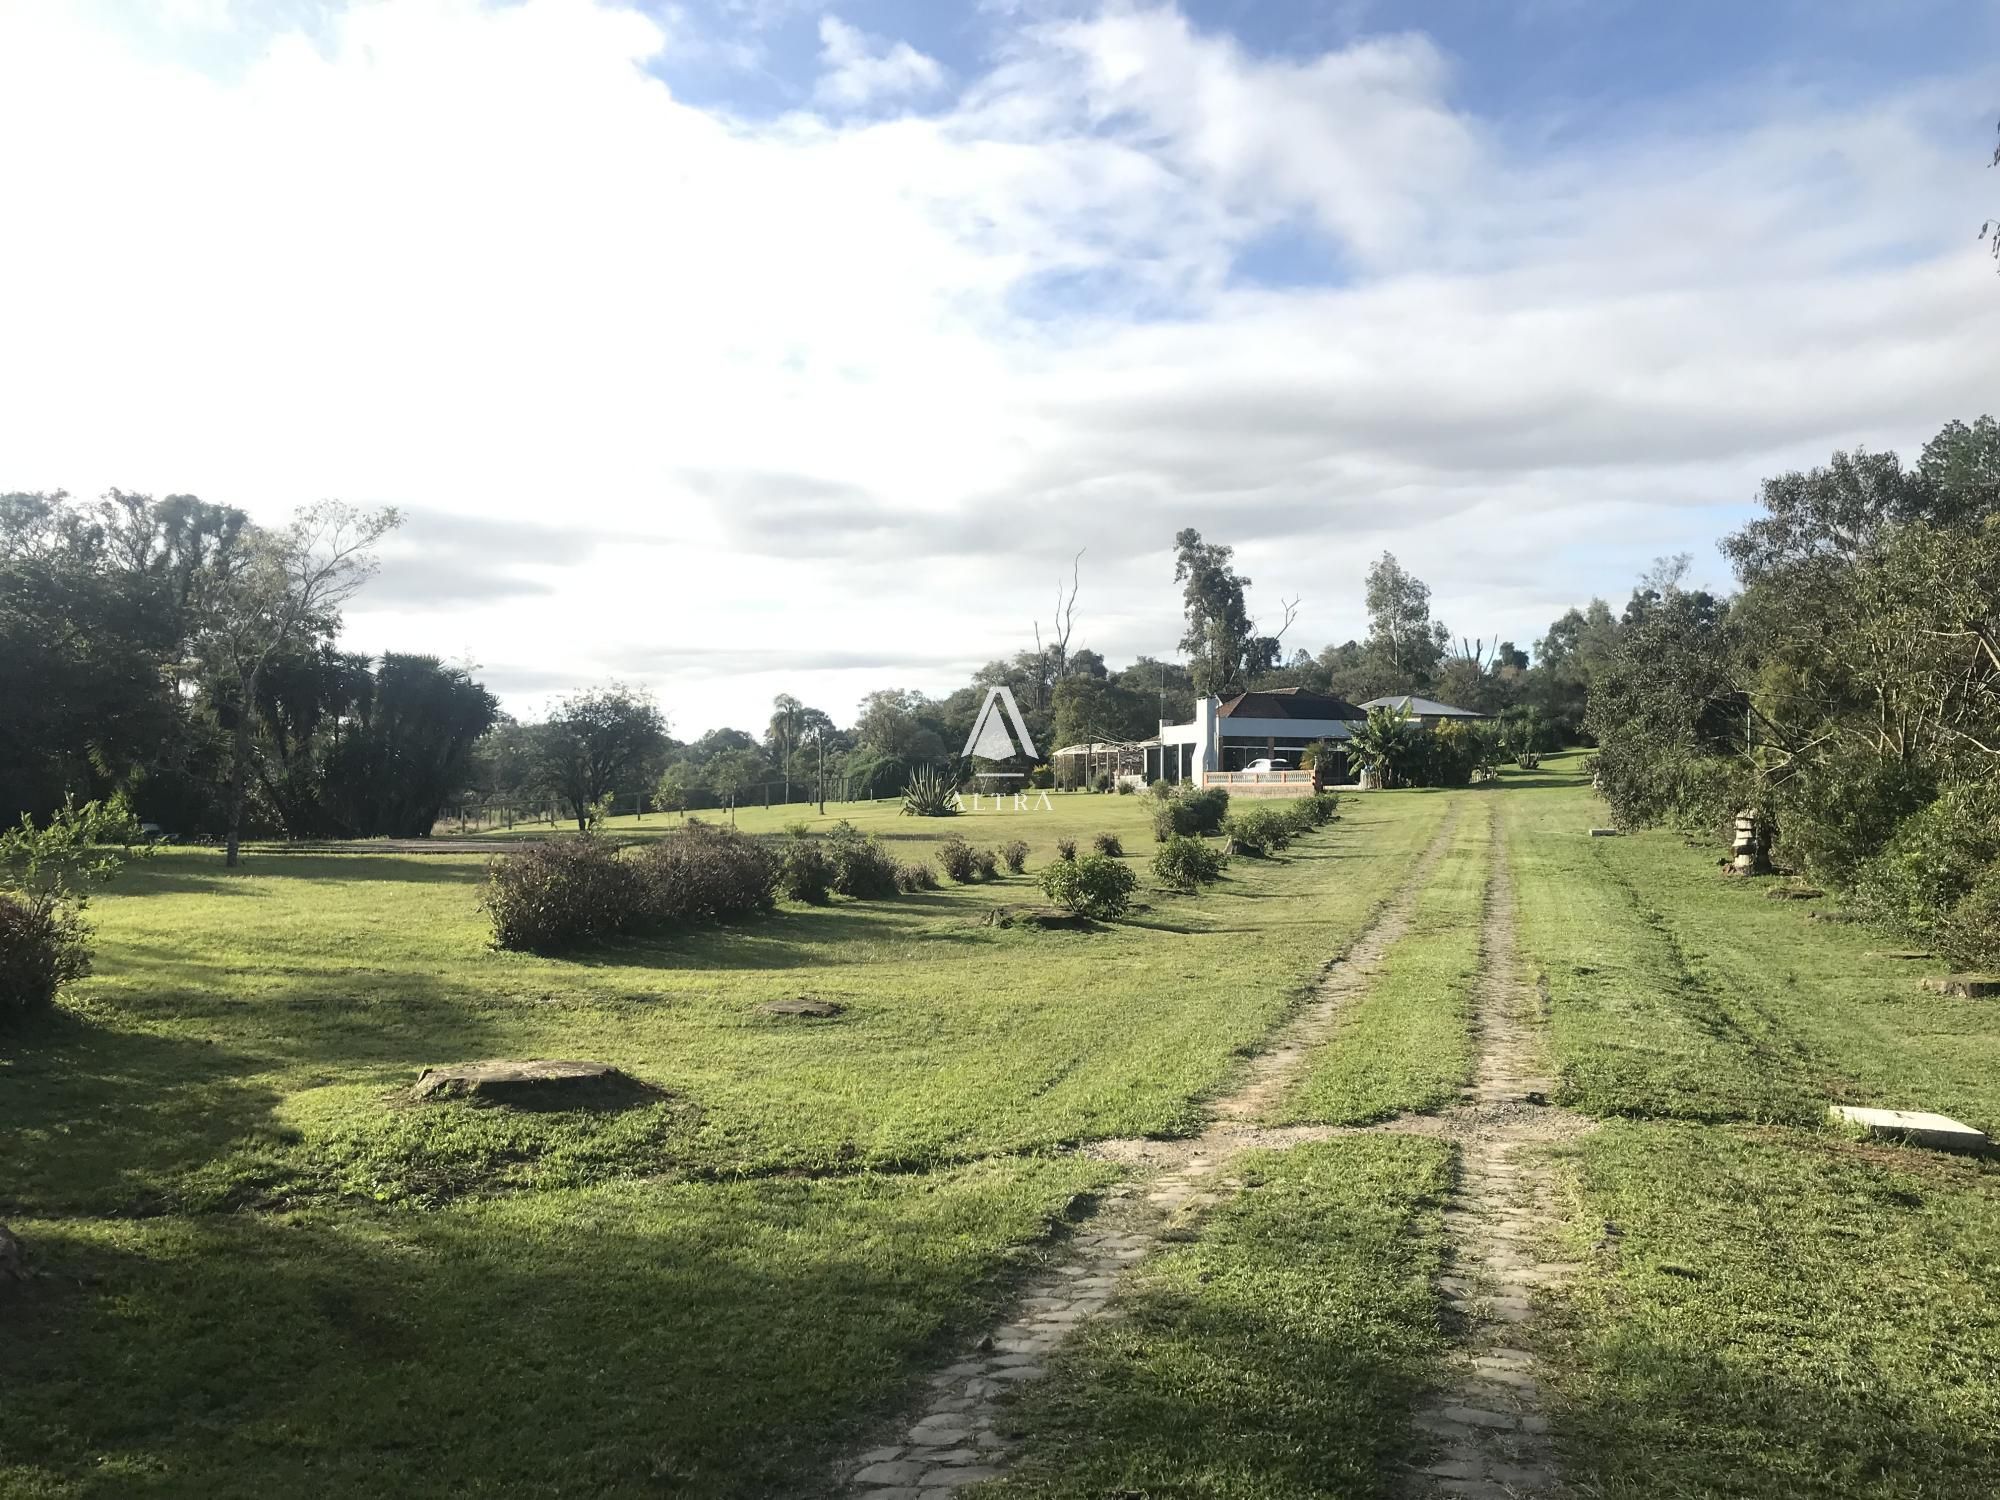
(1404, 1046)
(266, 1271)
(1275, 1357)
(210, 1152)
(1768, 1308)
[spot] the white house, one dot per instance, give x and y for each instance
(1227, 734)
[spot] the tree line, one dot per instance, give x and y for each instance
(171, 651)
(1846, 698)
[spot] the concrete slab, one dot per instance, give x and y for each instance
(1606, 833)
(1915, 1126)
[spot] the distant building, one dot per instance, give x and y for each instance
(1227, 734)
(1426, 711)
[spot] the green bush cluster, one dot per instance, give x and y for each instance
(572, 890)
(862, 868)
(805, 870)
(1264, 828)
(44, 944)
(1014, 854)
(1108, 844)
(965, 864)
(916, 876)
(1065, 847)
(1094, 886)
(1190, 811)
(1188, 863)
(1937, 876)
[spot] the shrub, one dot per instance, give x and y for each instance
(918, 876)
(1323, 808)
(862, 868)
(929, 795)
(959, 859)
(1107, 844)
(1191, 811)
(1260, 830)
(1528, 760)
(1065, 847)
(1932, 864)
(1970, 934)
(1101, 782)
(805, 871)
(1014, 854)
(1160, 790)
(1094, 886)
(44, 944)
(985, 863)
(555, 894)
(1125, 788)
(703, 873)
(1188, 863)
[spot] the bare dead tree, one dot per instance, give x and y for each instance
(1064, 623)
(1990, 230)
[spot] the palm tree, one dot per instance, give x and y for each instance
(1384, 743)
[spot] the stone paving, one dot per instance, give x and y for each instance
(1491, 1435)
(952, 1442)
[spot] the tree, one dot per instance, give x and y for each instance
(1385, 743)
(289, 584)
(592, 742)
(792, 725)
(1061, 627)
(1221, 641)
(1400, 626)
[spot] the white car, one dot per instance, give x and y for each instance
(1265, 764)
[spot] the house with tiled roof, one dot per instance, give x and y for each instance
(1227, 734)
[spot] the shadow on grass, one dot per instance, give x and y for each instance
(696, 1340)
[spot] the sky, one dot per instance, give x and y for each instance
(739, 347)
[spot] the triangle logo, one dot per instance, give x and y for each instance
(998, 733)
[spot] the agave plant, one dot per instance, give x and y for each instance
(929, 795)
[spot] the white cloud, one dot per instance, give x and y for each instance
(856, 74)
(712, 395)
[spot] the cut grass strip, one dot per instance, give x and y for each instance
(1678, 992)
(630, 1340)
(1405, 1045)
(1278, 1354)
(248, 1036)
(1769, 1314)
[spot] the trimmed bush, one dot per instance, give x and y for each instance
(862, 868)
(805, 872)
(44, 944)
(1065, 848)
(1191, 812)
(1160, 790)
(960, 860)
(1125, 788)
(1101, 782)
(1014, 854)
(703, 873)
(556, 894)
(1260, 830)
(918, 876)
(1094, 886)
(1108, 844)
(1187, 863)
(986, 863)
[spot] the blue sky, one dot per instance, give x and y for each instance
(751, 346)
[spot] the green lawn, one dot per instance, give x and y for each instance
(1278, 1354)
(1680, 992)
(269, 1271)
(1765, 1309)
(1405, 1044)
(1779, 1315)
